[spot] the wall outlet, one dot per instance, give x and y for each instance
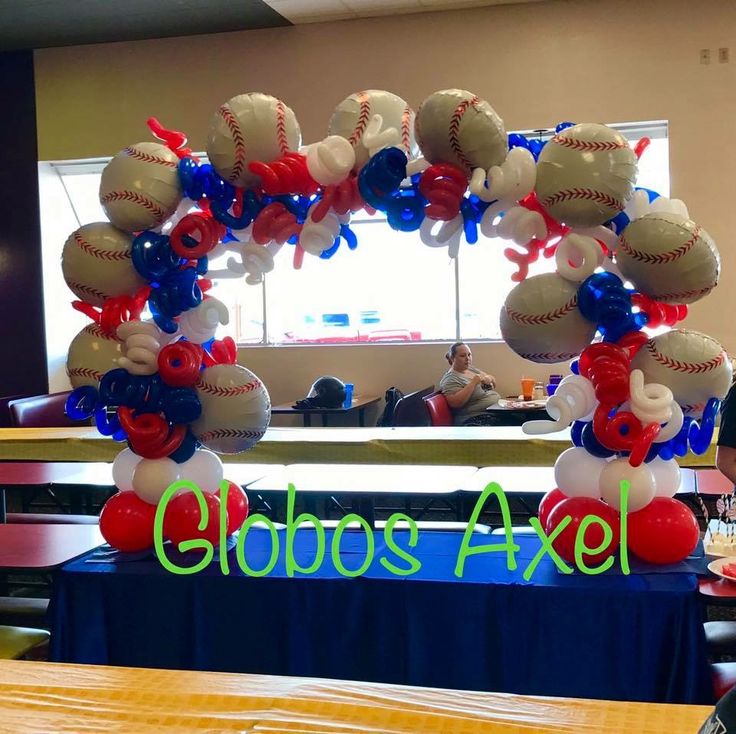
(705, 56)
(723, 56)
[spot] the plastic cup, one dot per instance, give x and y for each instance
(348, 394)
(527, 387)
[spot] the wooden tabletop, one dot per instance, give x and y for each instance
(36, 697)
(366, 478)
(359, 401)
(45, 547)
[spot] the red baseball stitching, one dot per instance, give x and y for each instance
(693, 368)
(364, 116)
(233, 125)
(406, 128)
(96, 330)
(544, 318)
(85, 372)
(578, 193)
(548, 356)
(595, 146)
(281, 128)
(91, 249)
(136, 198)
(684, 294)
(664, 257)
(139, 155)
(87, 290)
(457, 117)
(229, 433)
(223, 392)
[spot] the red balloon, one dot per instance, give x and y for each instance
(548, 503)
(578, 508)
(182, 518)
(665, 531)
(237, 507)
(126, 522)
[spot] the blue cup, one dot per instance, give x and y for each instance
(551, 389)
(348, 395)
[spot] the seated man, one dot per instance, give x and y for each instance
(468, 390)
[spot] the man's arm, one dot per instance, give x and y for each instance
(726, 462)
(726, 451)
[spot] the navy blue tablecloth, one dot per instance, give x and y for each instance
(636, 638)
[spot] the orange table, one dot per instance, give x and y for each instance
(48, 697)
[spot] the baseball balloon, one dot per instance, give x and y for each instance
(140, 187)
(455, 126)
(585, 174)
(643, 486)
(92, 353)
(352, 116)
(668, 258)
(540, 320)
(96, 263)
(236, 409)
(250, 127)
(693, 365)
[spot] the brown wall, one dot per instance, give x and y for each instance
(538, 64)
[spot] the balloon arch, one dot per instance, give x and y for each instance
(177, 396)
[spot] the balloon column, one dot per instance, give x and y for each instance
(151, 372)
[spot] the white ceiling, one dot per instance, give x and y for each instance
(318, 11)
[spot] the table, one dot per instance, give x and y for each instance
(505, 416)
(624, 638)
(49, 697)
(24, 475)
(363, 483)
(360, 403)
(480, 446)
(39, 547)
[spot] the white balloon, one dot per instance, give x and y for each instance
(666, 476)
(204, 469)
(577, 472)
(122, 469)
(152, 478)
(643, 485)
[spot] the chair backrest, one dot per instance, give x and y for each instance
(439, 409)
(5, 421)
(411, 410)
(41, 411)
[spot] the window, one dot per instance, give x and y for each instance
(391, 288)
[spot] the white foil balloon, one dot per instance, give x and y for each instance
(123, 467)
(666, 475)
(577, 473)
(330, 161)
(204, 469)
(152, 477)
(643, 485)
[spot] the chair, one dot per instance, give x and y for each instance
(720, 637)
(411, 409)
(5, 421)
(17, 642)
(41, 411)
(723, 676)
(439, 409)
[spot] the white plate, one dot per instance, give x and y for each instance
(521, 404)
(716, 566)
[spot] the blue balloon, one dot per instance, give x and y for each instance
(380, 178)
(81, 403)
(152, 256)
(108, 424)
(535, 147)
(405, 211)
(180, 405)
(516, 140)
(563, 126)
(592, 445)
(603, 299)
(575, 367)
(701, 435)
(186, 450)
(176, 292)
(576, 433)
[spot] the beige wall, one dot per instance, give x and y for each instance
(584, 60)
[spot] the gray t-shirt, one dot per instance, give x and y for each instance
(479, 400)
